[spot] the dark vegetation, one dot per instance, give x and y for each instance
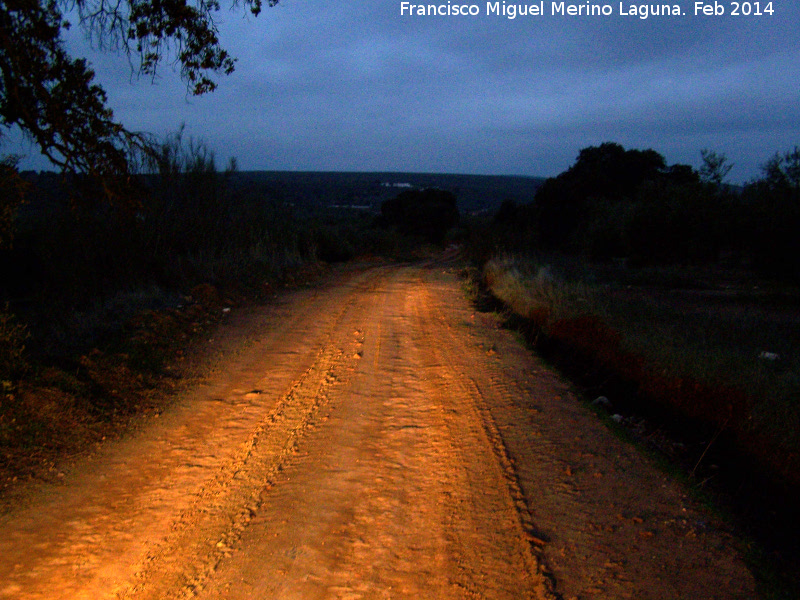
(675, 297)
(628, 204)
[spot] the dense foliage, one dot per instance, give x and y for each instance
(190, 226)
(12, 194)
(614, 203)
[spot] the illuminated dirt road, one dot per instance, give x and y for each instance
(372, 437)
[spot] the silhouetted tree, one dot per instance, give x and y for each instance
(782, 172)
(12, 193)
(773, 207)
(52, 97)
(682, 175)
(715, 167)
(605, 173)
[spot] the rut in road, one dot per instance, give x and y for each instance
(343, 455)
(370, 438)
(397, 492)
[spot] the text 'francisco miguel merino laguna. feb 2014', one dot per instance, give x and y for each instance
(588, 9)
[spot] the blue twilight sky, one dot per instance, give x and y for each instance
(358, 86)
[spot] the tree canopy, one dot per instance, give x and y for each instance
(606, 173)
(53, 97)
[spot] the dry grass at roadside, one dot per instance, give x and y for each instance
(711, 366)
(723, 360)
(532, 291)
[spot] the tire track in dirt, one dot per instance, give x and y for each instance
(205, 534)
(162, 509)
(375, 439)
(397, 491)
(449, 351)
(607, 523)
(479, 452)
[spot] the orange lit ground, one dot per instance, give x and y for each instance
(370, 438)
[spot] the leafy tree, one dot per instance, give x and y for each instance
(782, 171)
(614, 202)
(682, 175)
(53, 98)
(609, 171)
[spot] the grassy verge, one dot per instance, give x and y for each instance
(699, 365)
(723, 359)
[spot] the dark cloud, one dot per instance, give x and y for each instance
(357, 86)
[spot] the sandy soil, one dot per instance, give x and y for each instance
(372, 437)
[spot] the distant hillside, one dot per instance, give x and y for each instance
(311, 190)
(475, 193)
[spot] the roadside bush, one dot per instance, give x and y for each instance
(74, 255)
(530, 288)
(332, 244)
(197, 226)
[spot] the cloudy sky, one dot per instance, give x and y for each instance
(358, 86)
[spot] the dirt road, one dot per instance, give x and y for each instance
(372, 437)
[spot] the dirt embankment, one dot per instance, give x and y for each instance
(370, 438)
